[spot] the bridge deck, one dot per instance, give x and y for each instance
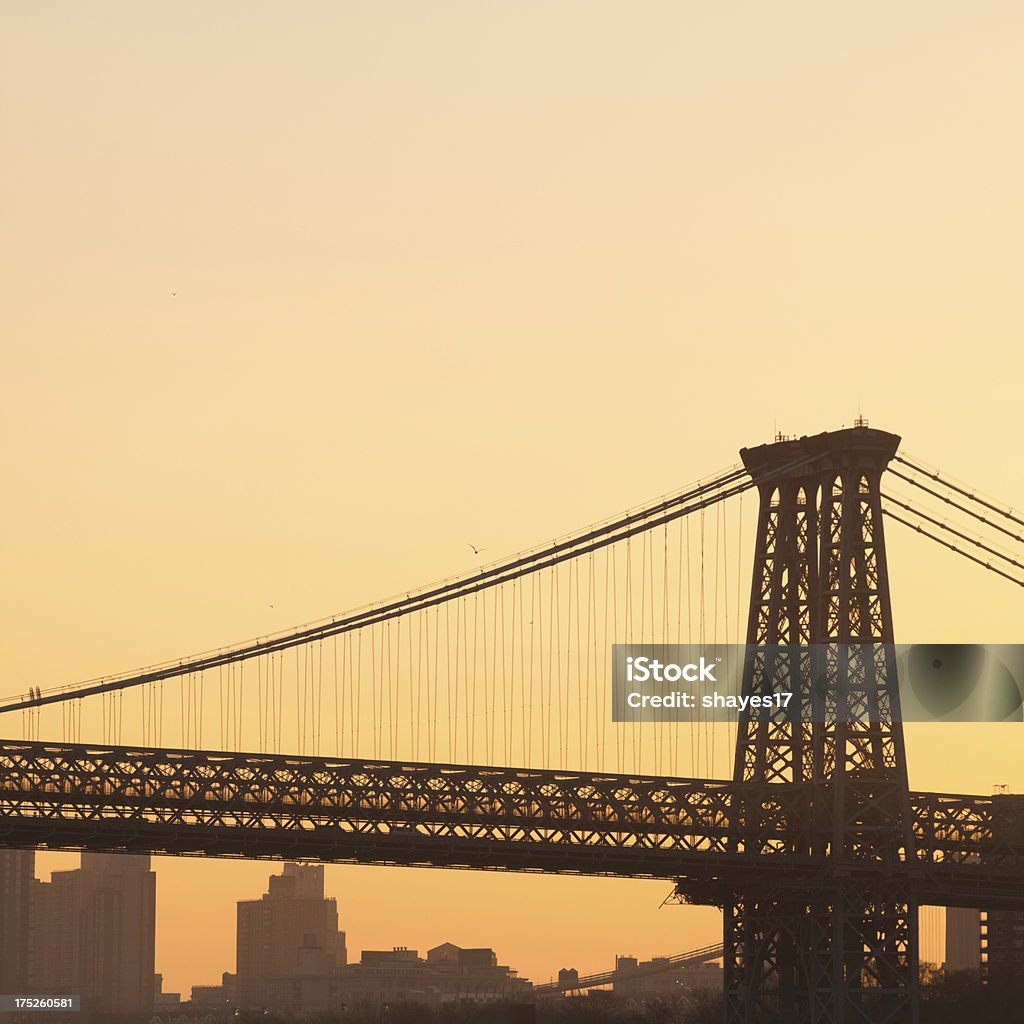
(969, 849)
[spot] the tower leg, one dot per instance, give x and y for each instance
(844, 957)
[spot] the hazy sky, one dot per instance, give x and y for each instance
(296, 301)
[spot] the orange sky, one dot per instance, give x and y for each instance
(476, 272)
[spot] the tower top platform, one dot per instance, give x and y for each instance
(817, 455)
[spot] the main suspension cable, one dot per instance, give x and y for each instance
(952, 547)
(701, 496)
(956, 533)
(932, 474)
(957, 505)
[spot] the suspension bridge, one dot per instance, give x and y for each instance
(468, 724)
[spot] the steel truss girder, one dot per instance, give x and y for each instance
(712, 836)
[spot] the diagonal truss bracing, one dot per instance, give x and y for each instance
(78, 796)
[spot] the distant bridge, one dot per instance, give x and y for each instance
(659, 965)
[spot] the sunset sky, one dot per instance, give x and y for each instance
(298, 301)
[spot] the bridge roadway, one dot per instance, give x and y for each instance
(702, 833)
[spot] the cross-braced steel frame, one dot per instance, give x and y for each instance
(969, 850)
(844, 949)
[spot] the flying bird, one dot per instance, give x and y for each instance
(476, 550)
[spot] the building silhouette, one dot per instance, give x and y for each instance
(1002, 947)
(288, 939)
(93, 933)
(448, 974)
(17, 871)
(291, 960)
(663, 983)
(215, 998)
(986, 942)
(963, 940)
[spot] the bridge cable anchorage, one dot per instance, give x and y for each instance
(916, 465)
(952, 547)
(950, 529)
(695, 499)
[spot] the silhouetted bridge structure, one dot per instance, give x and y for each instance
(575, 983)
(968, 851)
(816, 849)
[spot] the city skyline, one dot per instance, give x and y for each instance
(302, 929)
(396, 929)
(71, 862)
(290, 947)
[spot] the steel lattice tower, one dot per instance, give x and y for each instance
(841, 948)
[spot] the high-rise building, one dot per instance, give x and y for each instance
(1002, 946)
(291, 932)
(963, 940)
(94, 933)
(17, 870)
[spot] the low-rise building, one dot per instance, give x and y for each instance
(213, 998)
(448, 974)
(657, 978)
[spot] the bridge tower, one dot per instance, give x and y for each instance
(842, 948)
